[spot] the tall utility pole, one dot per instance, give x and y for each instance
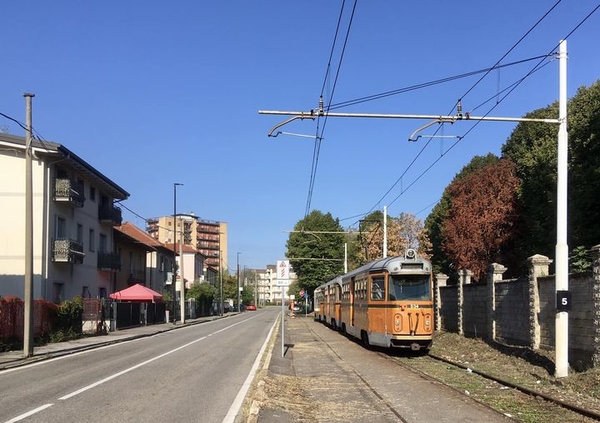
(221, 279)
(562, 250)
(174, 277)
(238, 283)
(384, 231)
(28, 287)
(182, 287)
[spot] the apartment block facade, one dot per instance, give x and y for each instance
(74, 214)
(207, 236)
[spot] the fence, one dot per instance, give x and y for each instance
(522, 311)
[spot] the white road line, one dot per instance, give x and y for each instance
(239, 399)
(100, 382)
(137, 366)
(29, 413)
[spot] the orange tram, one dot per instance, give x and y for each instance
(386, 303)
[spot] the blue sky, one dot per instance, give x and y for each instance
(153, 92)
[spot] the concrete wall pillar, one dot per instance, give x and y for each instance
(595, 254)
(538, 266)
(465, 276)
(440, 281)
(494, 274)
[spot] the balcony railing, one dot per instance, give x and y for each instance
(110, 214)
(67, 251)
(109, 261)
(68, 191)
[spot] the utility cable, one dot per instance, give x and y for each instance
(319, 136)
(497, 64)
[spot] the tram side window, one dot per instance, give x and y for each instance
(378, 288)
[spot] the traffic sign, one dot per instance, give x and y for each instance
(282, 282)
(283, 269)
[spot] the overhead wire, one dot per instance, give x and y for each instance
(510, 89)
(319, 133)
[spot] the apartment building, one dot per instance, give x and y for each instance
(74, 214)
(207, 236)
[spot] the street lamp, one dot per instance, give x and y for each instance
(174, 276)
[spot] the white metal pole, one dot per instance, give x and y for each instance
(28, 281)
(182, 286)
(282, 321)
(384, 231)
(562, 249)
(346, 257)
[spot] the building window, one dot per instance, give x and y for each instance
(103, 245)
(57, 292)
(92, 246)
(93, 193)
(80, 233)
(101, 292)
(85, 292)
(61, 228)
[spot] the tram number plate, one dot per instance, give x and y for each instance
(413, 306)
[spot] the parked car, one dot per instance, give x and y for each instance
(251, 307)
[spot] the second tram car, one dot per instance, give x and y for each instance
(386, 303)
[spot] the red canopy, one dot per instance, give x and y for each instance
(137, 292)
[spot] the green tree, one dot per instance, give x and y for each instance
(316, 249)
(204, 294)
(532, 147)
(584, 167)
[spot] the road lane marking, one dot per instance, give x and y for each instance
(100, 382)
(29, 413)
(137, 366)
(239, 399)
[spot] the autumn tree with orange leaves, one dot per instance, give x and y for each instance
(483, 217)
(403, 232)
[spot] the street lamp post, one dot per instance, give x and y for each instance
(174, 276)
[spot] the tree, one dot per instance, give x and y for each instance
(403, 232)
(483, 218)
(316, 249)
(434, 223)
(532, 147)
(204, 294)
(584, 167)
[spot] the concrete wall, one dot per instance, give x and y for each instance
(523, 311)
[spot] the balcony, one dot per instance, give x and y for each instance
(67, 251)
(109, 261)
(110, 214)
(68, 191)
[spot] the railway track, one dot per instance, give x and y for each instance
(533, 394)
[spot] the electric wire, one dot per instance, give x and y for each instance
(319, 138)
(426, 84)
(510, 90)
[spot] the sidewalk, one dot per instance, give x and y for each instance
(15, 358)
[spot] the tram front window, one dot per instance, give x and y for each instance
(408, 287)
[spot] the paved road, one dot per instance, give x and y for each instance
(192, 374)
